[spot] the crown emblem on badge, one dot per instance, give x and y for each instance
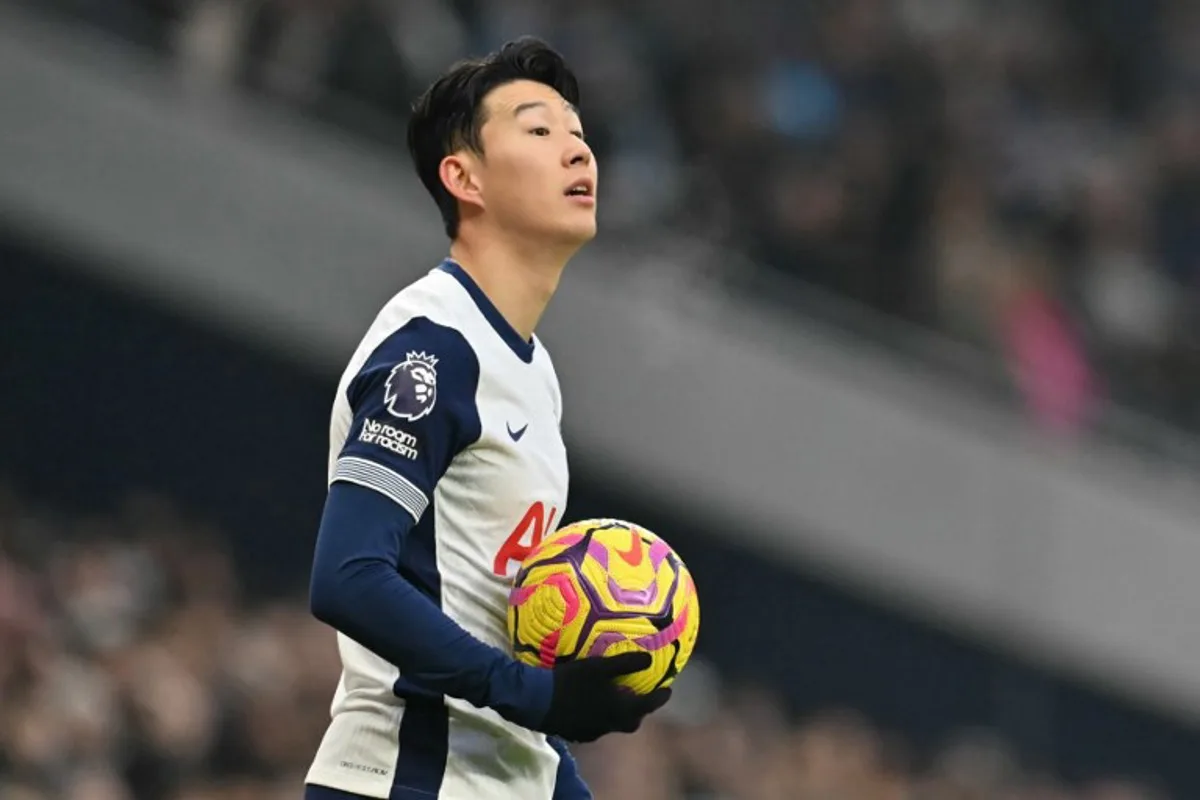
(422, 358)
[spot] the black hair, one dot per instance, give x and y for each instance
(450, 114)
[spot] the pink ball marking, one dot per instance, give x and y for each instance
(659, 551)
(520, 594)
(569, 595)
(548, 649)
(659, 640)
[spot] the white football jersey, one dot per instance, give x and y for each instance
(463, 434)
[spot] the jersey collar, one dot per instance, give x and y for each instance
(522, 348)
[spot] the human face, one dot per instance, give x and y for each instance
(537, 176)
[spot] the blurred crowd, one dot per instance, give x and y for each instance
(1022, 175)
(131, 669)
(135, 665)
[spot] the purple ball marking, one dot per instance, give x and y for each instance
(598, 552)
(633, 597)
(659, 551)
(605, 641)
(661, 639)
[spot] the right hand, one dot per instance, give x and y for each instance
(588, 703)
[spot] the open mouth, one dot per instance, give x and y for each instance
(581, 188)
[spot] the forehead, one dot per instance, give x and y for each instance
(504, 101)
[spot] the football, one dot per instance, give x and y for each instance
(602, 587)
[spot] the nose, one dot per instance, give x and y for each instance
(578, 154)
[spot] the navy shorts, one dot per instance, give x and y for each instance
(312, 792)
(325, 793)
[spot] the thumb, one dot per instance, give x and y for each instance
(623, 664)
(654, 701)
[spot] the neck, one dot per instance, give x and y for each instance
(519, 278)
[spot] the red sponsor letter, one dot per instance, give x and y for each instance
(528, 534)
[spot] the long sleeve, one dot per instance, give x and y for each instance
(356, 588)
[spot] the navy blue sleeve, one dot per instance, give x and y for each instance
(413, 410)
(568, 785)
(413, 407)
(357, 589)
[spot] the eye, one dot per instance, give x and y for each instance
(579, 135)
(541, 130)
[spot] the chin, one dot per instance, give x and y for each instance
(584, 236)
(570, 238)
(580, 232)
(567, 231)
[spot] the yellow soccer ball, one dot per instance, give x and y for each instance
(602, 587)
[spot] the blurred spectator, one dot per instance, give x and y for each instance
(1044, 353)
(897, 152)
(164, 692)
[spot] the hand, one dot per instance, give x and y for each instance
(587, 703)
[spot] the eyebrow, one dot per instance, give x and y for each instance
(523, 107)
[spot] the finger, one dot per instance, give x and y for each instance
(637, 708)
(653, 701)
(624, 664)
(630, 725)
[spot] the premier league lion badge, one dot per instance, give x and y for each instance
(411, 389)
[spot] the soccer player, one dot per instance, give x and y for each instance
(447, 465)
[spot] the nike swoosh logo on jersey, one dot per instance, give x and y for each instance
(517, 434)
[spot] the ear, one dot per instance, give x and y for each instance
(460, 175)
